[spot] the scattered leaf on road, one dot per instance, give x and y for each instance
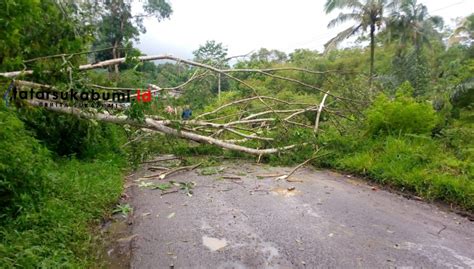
(211, 171)
(127, 239)
(145, 184)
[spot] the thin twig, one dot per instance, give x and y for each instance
(299, 166)
(167, 173)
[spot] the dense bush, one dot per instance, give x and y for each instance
(421, 165)
(418, 165)
(402, 115)
(47, 203)
(68, 135)
(56, 233)
(24, 164)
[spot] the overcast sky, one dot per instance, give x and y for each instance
(246, 25)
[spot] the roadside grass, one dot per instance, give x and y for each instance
(420, 165)
(430, 167)
(397, 145)
(50, 206)
(57, 232)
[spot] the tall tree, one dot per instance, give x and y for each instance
(211, 53)
(264, 55)
(118, 26)
(215, 54)
(33, 29)
(411, 23)
(368, 15)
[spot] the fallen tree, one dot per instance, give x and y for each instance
(161, 126)
(227, 131)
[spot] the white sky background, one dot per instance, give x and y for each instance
(246, 25)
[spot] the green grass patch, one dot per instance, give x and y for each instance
(420, 165)
(57, 231)
(396, 146)
(51, 205)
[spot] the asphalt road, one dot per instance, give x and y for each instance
(327, 221)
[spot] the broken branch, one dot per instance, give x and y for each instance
(170, 172)
(298, 167)
(316, 122)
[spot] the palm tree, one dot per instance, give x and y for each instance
(411, 23)
(368, 14)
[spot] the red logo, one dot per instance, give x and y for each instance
(143, 96)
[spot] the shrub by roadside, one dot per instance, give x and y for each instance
(396, 147)
(51, 204)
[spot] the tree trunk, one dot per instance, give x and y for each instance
(115, 43)
(160, 127)
(417, 47)
(219, 86)
(372, 52)
(115, 56)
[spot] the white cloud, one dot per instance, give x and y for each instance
(246, 25)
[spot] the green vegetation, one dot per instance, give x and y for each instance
(405, 118)
(60, 176)
(51, 204)
(403, 115)
(400, 151)
(366, 14)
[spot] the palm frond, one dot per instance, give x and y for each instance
(343, 17)
(437, 21)
(332, 44)
(331, 5)
(393, 5)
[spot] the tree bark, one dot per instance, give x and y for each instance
(157, 126)
(219, 86)
(318, 115)
(115, 56)
(372, 52)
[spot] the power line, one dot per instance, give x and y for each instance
(455, 4)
